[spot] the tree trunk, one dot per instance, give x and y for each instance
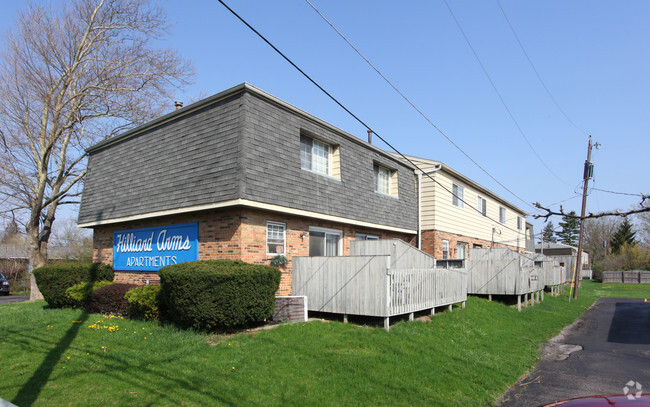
(37, 257)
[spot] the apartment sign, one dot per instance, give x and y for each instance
(151, 249)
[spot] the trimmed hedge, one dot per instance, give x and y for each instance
(212, 294)
(109, 299)
(79, 294)
(143, 301)
(55, 279)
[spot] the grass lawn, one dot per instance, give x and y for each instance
(467, 357)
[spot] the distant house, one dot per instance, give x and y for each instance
(240, 175)
(567, 256)
(456, 214)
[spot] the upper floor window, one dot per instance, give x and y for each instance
(481, 206)
(502, 214)
(385, 180)
(520, 222)
(457, 195)
(315, 155)
(382, 179)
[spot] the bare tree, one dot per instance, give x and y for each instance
(69, 77)
(642, 207)
(598, 233)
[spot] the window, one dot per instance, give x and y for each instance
(520, 222)
(481, 206)
(382, 179)
(315, 155)
(324, 242)
(461, 251)
(477, 246)
(385, 180)
(445, 249)
(457, 195)
(539, 264)
(275, 238)
(502, 214)
(364, 236)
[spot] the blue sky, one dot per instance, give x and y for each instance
(593, 56)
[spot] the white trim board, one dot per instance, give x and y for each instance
(249, 204)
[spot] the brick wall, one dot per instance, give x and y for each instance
(432, 243)
(238, 234)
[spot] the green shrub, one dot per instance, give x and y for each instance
(79, 294)
(143, 301)
(211, 294)
(109, 299)
(55, 279)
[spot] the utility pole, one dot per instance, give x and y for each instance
(588, 173)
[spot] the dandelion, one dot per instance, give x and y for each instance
(68, 358)
(233, 368)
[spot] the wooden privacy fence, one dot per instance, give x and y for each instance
(501, 272)
(628, 277)
(390, 278)
(505, 272)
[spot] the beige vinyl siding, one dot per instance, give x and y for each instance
(439, 213)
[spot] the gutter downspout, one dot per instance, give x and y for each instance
(436, 169)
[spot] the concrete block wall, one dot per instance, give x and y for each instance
(290, 309)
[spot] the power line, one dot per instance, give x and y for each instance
(521, 131)
(420, 112)
(618, 193)
(354, 116)
(536, 72)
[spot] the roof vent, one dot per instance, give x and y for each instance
(178, 104)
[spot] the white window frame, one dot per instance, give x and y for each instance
(365, 236)
(520, 222)
(380, 170)
(481, 206)
(457, 195)
(328, 231)
(313, 142)
(284, 237)
(458, 251)
(445, 252)
(502, 215)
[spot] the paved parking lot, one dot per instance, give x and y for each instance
(601, 353)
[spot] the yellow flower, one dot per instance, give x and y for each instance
(68, 358)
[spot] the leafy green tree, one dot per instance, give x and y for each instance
(624, 235)
(548, 233)
(570, 228)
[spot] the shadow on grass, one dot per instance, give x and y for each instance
(28, 394)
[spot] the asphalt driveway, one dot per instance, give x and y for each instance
(5, 299)
(605, 351)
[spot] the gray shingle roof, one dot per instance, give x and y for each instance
(240, 144)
